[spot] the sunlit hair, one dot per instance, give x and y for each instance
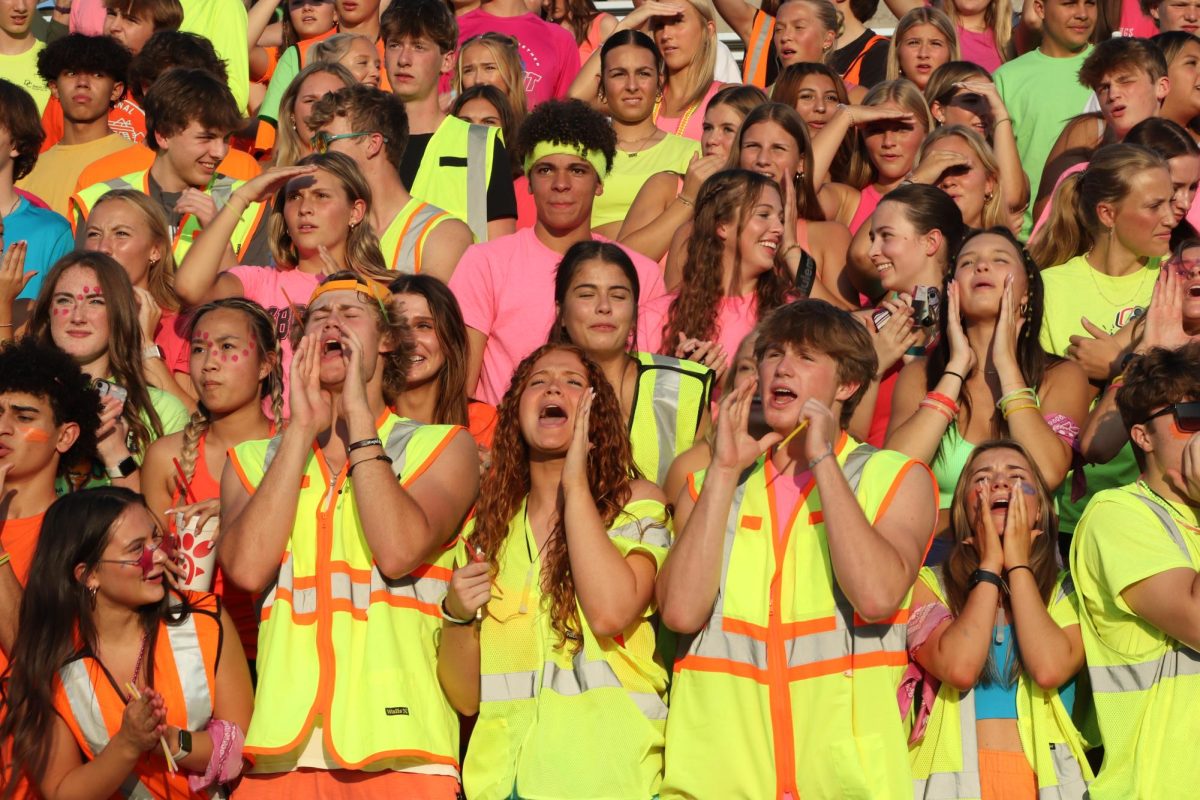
(509, 124)
(1074, 224)
(848, 162)
(290, 35)
(995, 207)
(788, 118)
(576, 256)
(941, 88)
(391, 324)
(1158, 378)
(827, 15)
(964, 556)
(451, 405)
(57, 620)
(741, 97)
(928, 208)
(997, 19)
(1171, 44)
(1121, 53)
(266, 349)
(578, 14)
(1032, 359)
(124, 337)
(288, 147)
(689, 87)
(903, 93)
(637, 39)
(160, 277)
(727, 197)
(610, 469)
(335, 48)
(922, 15)
(363, 253)
(508, 60)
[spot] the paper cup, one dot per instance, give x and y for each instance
(197, 552)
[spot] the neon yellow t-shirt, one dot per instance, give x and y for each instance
(631, 170)
(21, 69)
(224, 23)
(1146, 707)
(1072, 291)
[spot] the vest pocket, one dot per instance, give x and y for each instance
(860, 764)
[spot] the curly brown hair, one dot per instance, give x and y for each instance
(610, 473)
(726, 197)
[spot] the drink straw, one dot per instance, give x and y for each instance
(171, 765)
(183, 481)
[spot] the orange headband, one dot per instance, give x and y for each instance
(350, 285)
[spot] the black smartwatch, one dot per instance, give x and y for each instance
(985, 576)
(124, 469)
(185, 745)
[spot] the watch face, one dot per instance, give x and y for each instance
(185, 742)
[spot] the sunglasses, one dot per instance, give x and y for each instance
(321, 140)
(146, 560)
(1187, 415)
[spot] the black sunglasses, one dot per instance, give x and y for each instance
(1187, 415)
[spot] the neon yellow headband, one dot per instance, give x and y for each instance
(543, 149)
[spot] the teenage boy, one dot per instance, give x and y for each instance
(790, 579)
(1135, 560)
(370, 126)
(548, 51)
(189, 118)
(452, 164)
(1129, 78)
(47, 234)
(86, 76)
(348, 693)
(48, 414)
(506, 286)
(1037, 115)
(19, 49)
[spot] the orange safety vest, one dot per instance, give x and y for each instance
(756, 61)
(90, 701)
(237, 165)
(854, 71)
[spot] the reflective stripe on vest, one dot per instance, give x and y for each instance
(411, 245)
(477, 181)
(754, 69)
(583, 676)
(193, 680)
(1180, 661)
(964, 784)
(678, 393)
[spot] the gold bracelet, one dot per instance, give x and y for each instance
(4, 559)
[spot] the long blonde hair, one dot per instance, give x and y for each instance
(508, 60)
(995, 209)
(922, 15)
(997, 18)
(1073, 223)
(903, 93)
(363, 253)
(694, 82)
(160, 277)
(288, 147)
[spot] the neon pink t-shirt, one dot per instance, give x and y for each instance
(979, 48)
(506, 290)
(87, 17)
(868, 200)
(736, 317)
(272, 289)
(693, 126)
(1134, 22)
(548, 53)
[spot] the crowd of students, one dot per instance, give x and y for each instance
(506, 400)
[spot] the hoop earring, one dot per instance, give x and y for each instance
(1023, 309)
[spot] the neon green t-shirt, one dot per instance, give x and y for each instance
(1072, 291)
(631, 170)
(1146, 707)
(21, 69)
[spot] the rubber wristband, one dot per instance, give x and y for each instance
(361, 443)
(955, 374)
(446, 615)
(350, 471)
(1011, 570)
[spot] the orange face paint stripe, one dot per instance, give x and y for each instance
(36, 435)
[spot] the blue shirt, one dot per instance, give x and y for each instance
(48, 235)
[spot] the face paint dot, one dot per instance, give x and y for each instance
(245, 354)
(235, 358)
(224, 358)
(204, 334)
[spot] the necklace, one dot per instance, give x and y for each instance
(137, 666)
(1168, 505)
(632, 147)
(683, 120)
(13, 207)
(1118, 304)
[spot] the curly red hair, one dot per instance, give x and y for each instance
(610, 474)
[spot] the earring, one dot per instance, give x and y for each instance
(91, 593)
(1023, 309)
(987, 197)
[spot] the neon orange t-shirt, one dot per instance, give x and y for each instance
(20, 538)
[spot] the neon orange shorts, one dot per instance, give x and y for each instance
(1004, 775)
(320, 784)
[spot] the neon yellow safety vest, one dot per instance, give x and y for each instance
(786, 689)
(456, 170)
(1145, 684)
(945, 761)
(340, 641)
(669, 400)
(558, 723)
(221, 189)
(403, 243)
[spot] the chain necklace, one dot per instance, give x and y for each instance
(683, 120)
(1118, 304)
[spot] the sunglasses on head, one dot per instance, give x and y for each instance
(1187, 415)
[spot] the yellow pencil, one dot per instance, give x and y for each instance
(136, 695)
(803, 424)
